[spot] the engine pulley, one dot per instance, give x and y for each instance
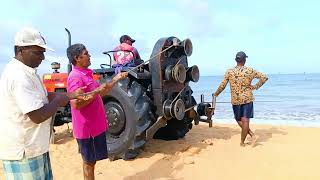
(193, 73)
(187, 46)
(176, 73)
(179, 73)
(175, 109)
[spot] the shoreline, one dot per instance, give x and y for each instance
(290, 123)
(281, 152)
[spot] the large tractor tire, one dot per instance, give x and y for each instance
(175, 129)
(129, 115)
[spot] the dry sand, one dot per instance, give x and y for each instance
(205, 153)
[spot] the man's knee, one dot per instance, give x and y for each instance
(245, 119)
(89, 164)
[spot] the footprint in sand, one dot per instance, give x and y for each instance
(253, 141)
(168, 157)
(207, 141)
(193, 151)
(188, 160)
(184, 149)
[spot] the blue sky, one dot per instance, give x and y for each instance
(278, 36)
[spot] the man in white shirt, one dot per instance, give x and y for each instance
(26, 109)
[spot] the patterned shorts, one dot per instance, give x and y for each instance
(37, 168)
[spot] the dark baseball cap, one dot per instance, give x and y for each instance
(241, 55)
(126, 37)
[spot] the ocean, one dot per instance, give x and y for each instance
(285, 99)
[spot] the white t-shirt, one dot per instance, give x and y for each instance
(21, 91)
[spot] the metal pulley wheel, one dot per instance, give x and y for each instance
(179, 109)
(175, 109)
(179, 73)
(187, 46)
(168, 72)
(166, 107)
(193, 73)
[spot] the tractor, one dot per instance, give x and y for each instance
(154, 101)
(57, 82)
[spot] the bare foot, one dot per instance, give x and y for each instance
(242, 144)
(254, 140)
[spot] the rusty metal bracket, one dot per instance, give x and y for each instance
(161, 122)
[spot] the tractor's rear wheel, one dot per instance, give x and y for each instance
(129, 115)
(175, 129)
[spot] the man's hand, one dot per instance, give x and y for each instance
(86, 96)
(101, 88)
(77, 94)
(61, 99)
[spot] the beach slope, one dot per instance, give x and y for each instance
(205, 153)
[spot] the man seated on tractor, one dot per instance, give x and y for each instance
(125, 54)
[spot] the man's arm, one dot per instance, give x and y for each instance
(262, 79)
(80, 103)
(75, 84)
(102, 90)
(40, 115)
(31, 101)
(223, 84)
(106, 87)
(76, 95)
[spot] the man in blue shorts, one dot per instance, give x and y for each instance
(89, 119)
(240, 78)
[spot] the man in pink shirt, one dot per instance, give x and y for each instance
(88, 116)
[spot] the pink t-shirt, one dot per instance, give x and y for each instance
(122, 57)
(90, 120)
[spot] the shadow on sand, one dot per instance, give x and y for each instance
(266, 134)
(176, 154)
(63, 136)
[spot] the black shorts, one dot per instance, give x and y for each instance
(94, 148)
(243, 110)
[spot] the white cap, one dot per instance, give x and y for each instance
(28, 36)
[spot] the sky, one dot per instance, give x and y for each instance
(278, 36)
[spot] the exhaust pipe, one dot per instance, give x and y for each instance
(69, 44)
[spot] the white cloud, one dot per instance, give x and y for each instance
(217, 29)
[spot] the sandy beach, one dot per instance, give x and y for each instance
(205, 153)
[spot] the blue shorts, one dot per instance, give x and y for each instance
(243, 110)
(94, 148)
